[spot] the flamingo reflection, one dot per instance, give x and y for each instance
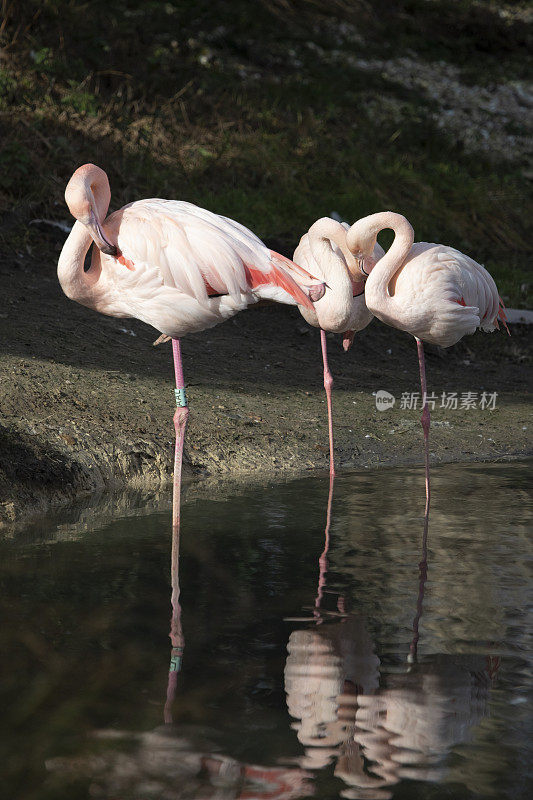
(378, 735)
(177, 639)
(233, 779)
(176, 761)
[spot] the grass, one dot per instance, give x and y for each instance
(258, 111)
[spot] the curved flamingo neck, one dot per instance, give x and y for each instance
(76, 283)
(361, 240)
(88, 196)
(322, 234)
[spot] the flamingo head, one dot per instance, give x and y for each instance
(88, 195)
(334, 233)
(362, 235)
(360, 240)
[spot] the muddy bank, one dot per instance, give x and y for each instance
(86, 401)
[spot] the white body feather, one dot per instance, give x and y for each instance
(338, 310)
(175, 248)
(427, 293)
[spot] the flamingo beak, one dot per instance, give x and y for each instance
(98, 237)
(369, 264)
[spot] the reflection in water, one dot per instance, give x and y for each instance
(326, 670)
(377, 736)
(166, 762)
(361, 696)
(408, 728)
(176, 630)
(323, 560)
(423, 574)
(231, 778)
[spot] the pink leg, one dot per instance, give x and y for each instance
(328, 383)
(426, 420)
(181, 416)
(176, 635)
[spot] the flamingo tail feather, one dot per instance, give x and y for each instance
(502, 316)
(278, 276)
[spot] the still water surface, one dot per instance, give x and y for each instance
(356, 673)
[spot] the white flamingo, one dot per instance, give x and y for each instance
(429, 290)
(171, 264)
(323, 252)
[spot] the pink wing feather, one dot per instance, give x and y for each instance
(201, 253)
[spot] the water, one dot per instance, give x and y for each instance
(301, 676)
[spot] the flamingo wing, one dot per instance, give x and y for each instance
(360, 316)
(443, 294)
(200, 253)
(468, 283)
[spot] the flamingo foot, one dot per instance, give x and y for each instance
(163, 338)
(347, 340)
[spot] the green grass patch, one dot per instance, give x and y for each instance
(255, 110)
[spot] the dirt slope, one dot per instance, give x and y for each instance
(86, 401)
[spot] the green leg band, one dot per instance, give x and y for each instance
(175, 663)
(181, 397)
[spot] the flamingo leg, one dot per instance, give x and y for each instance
(181, 416)
(328, 383)
(426, 419)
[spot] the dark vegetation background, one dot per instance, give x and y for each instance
(276, 112)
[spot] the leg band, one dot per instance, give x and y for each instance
(181, 397)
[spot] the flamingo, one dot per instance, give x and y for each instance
(172, 265)
(342, 309)
(431, 291)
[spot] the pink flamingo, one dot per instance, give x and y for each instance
(342, 309)
(431, 291)
(173, 265)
